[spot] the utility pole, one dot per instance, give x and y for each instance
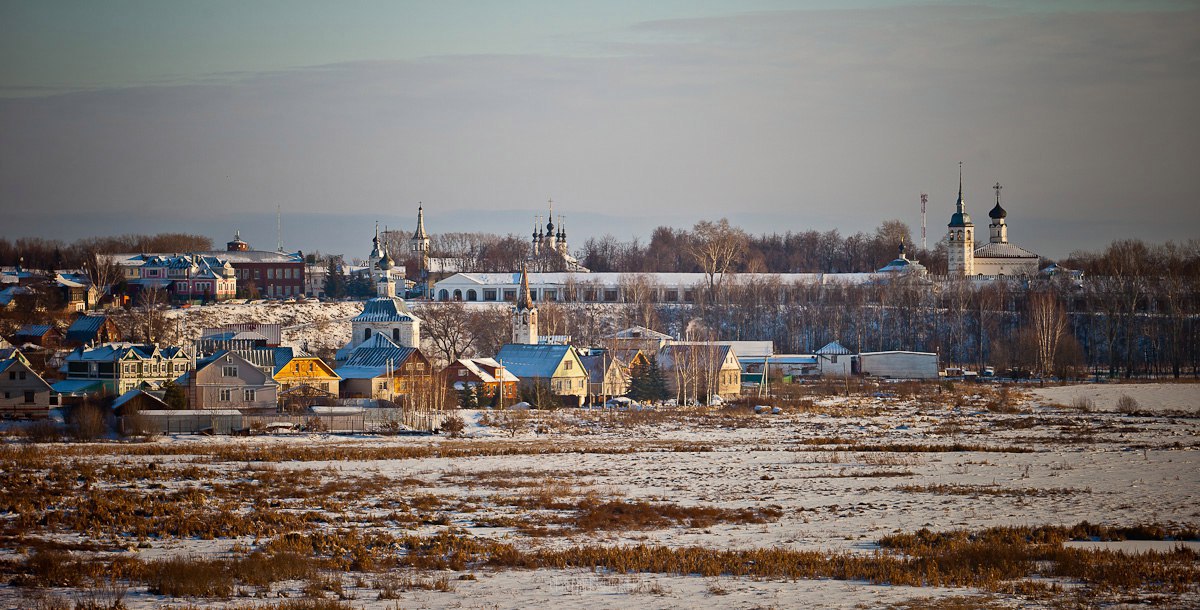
(924, 199)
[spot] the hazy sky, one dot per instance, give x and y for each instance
(120, 117)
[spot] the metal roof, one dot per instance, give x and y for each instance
(85, 328)
(378, 357)
(833, 348)
(528, 361)
(385, 309)
(116, 351)
(1002, 250)
(34, 330)
(131, 394)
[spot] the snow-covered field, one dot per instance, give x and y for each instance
(834, 476)
(1181, 397)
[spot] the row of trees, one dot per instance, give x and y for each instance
(39, 253)
(707, 246)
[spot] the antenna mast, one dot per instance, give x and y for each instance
(278, 230)
(924, 199)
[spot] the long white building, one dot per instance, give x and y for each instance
(616, 287)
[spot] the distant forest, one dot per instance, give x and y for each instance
(38, 253)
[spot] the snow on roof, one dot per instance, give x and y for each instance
(336, 410)
(115, 351)
(614, 279)
(385, 309)
(833, 348)
(638, 332)
(131, 394)
(529, 361)
(1004, 250)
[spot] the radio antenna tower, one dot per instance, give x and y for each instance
(278, 230)
(924, 199)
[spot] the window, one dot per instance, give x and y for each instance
(270, 274)
(229, 371)
(12, 375)
(21, 375)
(226, 395)
(366, 334)
(396, 335)
(510, 295)
(29, 397)
(248, 394)
(462, 372)
(567, 365)
(489, 294)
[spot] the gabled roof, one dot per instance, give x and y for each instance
(639, 332)
(116, 351)
(529, 361)
(85, 328)
(597, 365)
(143, 395)
(703, 353)
(284, 356)
(385, 309)
(34, 330)
(378, 351)
(486, 369)
(833, 348)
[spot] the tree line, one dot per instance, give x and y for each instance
(40, 253)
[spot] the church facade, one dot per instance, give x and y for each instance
(996, 257)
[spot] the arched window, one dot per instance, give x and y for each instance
(443, 295)
(396, 335)
(968, 234)
(471, 295)
(366, 334)
(457, 295)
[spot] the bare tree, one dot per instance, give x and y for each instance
(1048, 324)
(446, 326)
(150, 318)
(715, 247)
(101, 272)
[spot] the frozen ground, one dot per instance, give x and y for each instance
(842, 472)
(1182, 397)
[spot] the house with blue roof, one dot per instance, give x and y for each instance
(381, 370)
(91, 330)
(556, 367)
(43, 335)
(116, 368)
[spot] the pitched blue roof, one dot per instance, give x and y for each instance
(34, 330)
(532, 360)
(85, 328)
(376, 352)
(384, 309)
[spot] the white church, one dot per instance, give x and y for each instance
(996, 257)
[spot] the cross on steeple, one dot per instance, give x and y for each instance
(997, 187)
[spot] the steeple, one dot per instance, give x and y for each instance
(960, 217)
(524, 314)
(420, 232)
(524, 301)
(550, 221)
(960, 241)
